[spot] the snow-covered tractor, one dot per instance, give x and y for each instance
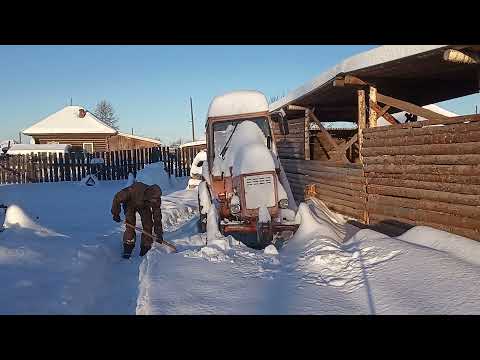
(244, 182)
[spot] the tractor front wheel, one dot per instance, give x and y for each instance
(264, 234)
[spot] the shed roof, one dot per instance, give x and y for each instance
(414, 73)
(68, 121)
(155, 141)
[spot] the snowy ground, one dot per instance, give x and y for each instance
(63, 257)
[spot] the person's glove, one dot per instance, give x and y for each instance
(116, 218)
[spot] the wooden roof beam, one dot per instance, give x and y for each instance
(410, 108)
(349, 81)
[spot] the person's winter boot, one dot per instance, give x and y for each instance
(144, 249)
(127, 250)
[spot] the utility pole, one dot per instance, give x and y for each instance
(132, 131)
(476, 109)
(70, 101)
(19, 137)
(193, 125)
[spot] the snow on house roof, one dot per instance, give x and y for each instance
(68, 121)
(238, 102)
(140, 138)
(194, 143)
(376, 56)
(338, 125)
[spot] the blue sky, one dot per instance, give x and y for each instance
(150, 86)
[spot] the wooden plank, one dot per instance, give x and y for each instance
(344, 210)
(325, 175)
(129, 161)
(372, 118)
(427, 149)
(472, 234)
(306, 150)
(424, 215)
(327, 181)
(425, 169)
(362, 120)
(66, 160)
(45, 167)
(324, 131)
(410, 108)
(468, 159)
(55, 167)
(443, 178)
(397, 131)
(407, 139)
(414, 184)
(419, 194)
(353, 203)
(383, 112)
(322, 166)
(468, 119)
(61, 167)
(454, 209)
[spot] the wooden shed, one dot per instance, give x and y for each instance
(82, 130)
(420, 170)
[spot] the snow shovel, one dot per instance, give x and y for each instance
(170, 245)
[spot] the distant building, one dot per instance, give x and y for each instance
(195, 145)
(75, 126)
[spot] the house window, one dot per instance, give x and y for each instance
(88, 148)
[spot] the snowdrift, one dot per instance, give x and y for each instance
(155, 174)
(323, 269)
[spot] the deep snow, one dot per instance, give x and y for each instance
(322, 270)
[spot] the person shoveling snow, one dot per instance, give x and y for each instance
(146, 200)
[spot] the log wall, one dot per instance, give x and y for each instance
(425, 175)
(340, 186)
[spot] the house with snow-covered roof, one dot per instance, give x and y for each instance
(78, 127)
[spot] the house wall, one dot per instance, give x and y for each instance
(119, 142)
(76, 140)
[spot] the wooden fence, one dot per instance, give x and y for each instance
(114, 165)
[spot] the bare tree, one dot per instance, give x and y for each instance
(104, 112)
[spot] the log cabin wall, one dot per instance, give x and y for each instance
(425, 174)
(75, 140)
(119, 142)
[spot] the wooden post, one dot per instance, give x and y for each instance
(372, 119)
(55, 167)
(45, 167)
(117, 166)
(134, 162)
(362, 124)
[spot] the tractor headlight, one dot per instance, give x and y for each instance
(283, 203)
(234, 208)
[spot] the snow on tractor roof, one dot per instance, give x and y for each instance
(238, 102)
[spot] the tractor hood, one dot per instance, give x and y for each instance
(247, 152)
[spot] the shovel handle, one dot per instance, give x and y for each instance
(153, 237)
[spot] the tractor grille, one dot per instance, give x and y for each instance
(259, 191)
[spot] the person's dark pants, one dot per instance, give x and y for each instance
(129, 237)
